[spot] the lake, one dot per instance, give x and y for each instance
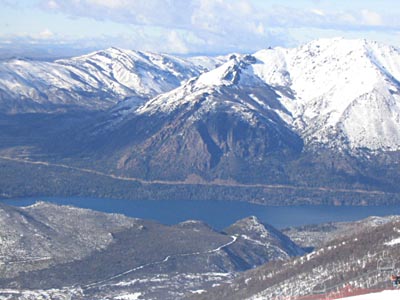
(219, 214)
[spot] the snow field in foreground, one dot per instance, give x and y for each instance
(385, 295)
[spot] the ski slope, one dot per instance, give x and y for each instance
(384, 295)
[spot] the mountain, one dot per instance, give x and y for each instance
(357, 263)
(62, 250)
(95, 81)
(341, 93)
(314, 124)
(336, 92)
(225, 123)
(272, 117)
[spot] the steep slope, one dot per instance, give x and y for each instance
(341, 93)
(226, 123)
(94, 81)
(358, 263)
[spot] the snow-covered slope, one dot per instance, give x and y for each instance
(96, 81)
(340, 92)
(45, 234)
(216, 122)
(333, 94)
(336, 92)
(350, 265)
(384, 295)
(248, 96)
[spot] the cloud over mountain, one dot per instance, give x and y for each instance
(193, 26)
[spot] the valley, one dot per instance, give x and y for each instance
(244, 130)
(307, 130)
(199, 150)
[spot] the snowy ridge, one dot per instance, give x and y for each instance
(344, 94)
(232, 87)
(145, 73)
(348, 89)
(96, 81)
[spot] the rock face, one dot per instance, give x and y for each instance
(90, 254)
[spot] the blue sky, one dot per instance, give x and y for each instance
(70, 27)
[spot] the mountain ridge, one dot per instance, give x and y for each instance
(94, 81)
(270, 118)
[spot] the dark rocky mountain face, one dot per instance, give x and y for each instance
(49, 249)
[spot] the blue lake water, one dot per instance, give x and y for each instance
(219, 214)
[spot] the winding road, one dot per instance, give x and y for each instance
(167, 258)
(208, 183)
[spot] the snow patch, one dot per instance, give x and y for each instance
(199, 292)
(393, 242)
(134, 296)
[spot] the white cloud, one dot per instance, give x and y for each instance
(217, 16)
(318, 12)
(52, 4)
(371, 18)
(46, 34)
(177, 43)
(109, 3)
(193, 26)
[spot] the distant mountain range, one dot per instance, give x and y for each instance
(95, 81)
(320, 118)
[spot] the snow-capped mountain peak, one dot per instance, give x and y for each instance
(339, 87)
(336, 92)
(232, 87)
(340, 93)
(234, 70)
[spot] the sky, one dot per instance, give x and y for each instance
(46, 28)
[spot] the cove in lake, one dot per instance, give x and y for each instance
(219, 214)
